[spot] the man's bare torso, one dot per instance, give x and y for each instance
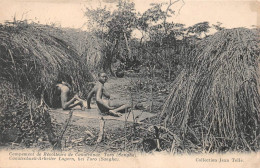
(104, 92)
(65, 93)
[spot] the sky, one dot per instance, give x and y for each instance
(70, 13)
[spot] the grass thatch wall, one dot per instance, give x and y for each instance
(34, 57)
(88, 46)
(215, 101)
(259, 76)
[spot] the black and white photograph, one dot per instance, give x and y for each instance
(129, 83)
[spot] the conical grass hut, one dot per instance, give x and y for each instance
(214, 104)
(34, 57)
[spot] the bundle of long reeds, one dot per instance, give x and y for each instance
(216, 99)
(33, 57)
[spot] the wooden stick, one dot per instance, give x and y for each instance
(48, 128)
(90, 133)
(66, 125)
(245, 142)
(125, 128)
(118, 139)
(158, 144)
(173, 146)
(58, 143)
(101, 128)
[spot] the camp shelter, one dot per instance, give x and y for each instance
(215, 101)
(34, 57)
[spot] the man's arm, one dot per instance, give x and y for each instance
(89, 97)
(106, 93)
(99, 98)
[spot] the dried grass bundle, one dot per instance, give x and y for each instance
(216, 98)
(33, 57)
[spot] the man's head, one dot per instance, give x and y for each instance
(102, 77)
(64, 78)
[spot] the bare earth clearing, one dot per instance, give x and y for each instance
(121, 133)
(76, 136)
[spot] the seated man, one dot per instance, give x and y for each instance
(105, 106)
(67, 104)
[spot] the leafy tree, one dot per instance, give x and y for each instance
(115, 29)
(218, 26)
(98, 20)
(199, 28)
(162, 35)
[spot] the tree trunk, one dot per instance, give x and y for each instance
(128, 48)
(110, 52)
(107, 64)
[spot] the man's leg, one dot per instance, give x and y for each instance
(105, 110)
(119, 107)
(77, 103)
(70, 104)
(102, 109)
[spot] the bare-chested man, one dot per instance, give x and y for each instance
(67, 104)
(105, 105)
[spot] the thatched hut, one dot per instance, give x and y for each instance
(215, 101)
(34, 57)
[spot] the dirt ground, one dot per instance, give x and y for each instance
(125, 89)
(119, 135)
(119, 90)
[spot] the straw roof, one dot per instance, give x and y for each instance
(216, 96)
(33, 57)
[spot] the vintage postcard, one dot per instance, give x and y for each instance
(129, 83)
